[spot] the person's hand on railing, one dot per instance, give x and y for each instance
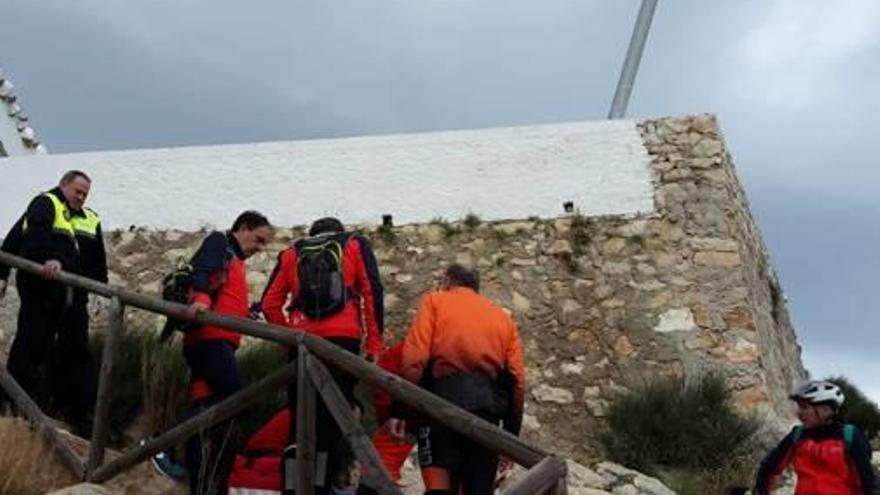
(194, 309)
(51, 268)
(504, 470)
(397, 429)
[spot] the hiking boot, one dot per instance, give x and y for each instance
(166, 466)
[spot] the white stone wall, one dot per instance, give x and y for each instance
(496, 173)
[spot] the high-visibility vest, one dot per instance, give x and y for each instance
(62, 222)
(86, 225)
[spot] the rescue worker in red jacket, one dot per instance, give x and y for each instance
(828, 456)
(392, 451)
(219, 285)
(467, 350)
(331, 281)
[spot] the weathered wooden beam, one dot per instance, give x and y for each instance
(376, 476)
(305, 426)
(454, 418)
(36, 417)
(562, 485)
(226, 409)
(101, 426)
(542, 477)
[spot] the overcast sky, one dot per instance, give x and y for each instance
(794, 83)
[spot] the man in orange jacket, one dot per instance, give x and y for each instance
(332, 282)
(467, 350)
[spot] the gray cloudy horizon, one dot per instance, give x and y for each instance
(793, 83)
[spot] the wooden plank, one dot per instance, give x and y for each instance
(541, 478)
(226, 409)
(454, 418)
(376, 476)
(101, 426)
(305, 426)
(562, 485)
(36, 417)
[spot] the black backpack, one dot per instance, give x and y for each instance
(319, 269)
(176, 288)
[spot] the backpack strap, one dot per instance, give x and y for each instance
(797, 433)
(848, 433)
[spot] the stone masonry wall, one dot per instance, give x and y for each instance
(604, 303)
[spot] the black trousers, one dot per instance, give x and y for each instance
(328, 437)
(471, 467)
(53, 333)
(212, 361)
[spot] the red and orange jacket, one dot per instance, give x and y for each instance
(824, 464)
(460, 331)
(390, 361)
(361, 276)
(219, 256)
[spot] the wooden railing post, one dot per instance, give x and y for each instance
(433, 407)
(226, 409)
(100, 430)
(33, 414)
(561, 487)
(305, 426)
(544, 476)
(376, 476)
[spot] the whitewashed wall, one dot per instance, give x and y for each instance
(496, 173)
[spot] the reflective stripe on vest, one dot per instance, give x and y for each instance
(62, 222)
(88, 225)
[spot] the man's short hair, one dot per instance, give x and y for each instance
(71, 176)
(326, 225)
(459, 276)
(250, 220)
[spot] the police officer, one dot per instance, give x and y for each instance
(58, 231)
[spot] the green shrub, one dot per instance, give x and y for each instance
(148, 377)
(165, 382)
(858, 409)
(581, 232)
(449, 230)
(386, 233)
(472, 221)
(255, 362)
(499, 235)
(672, 424)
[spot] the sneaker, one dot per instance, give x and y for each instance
(166, 466)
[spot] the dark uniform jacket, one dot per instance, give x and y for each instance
(84, 255)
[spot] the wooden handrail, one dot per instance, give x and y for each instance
(541, 478)
(547, 472)
(454, 418)
(33, 414)
(376, 475)
(305, 426)
(226, 409)
(101, 427)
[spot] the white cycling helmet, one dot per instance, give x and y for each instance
(818, 392)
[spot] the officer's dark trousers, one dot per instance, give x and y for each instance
(53, 330)
(328, 437)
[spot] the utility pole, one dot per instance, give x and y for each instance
(633, 57)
